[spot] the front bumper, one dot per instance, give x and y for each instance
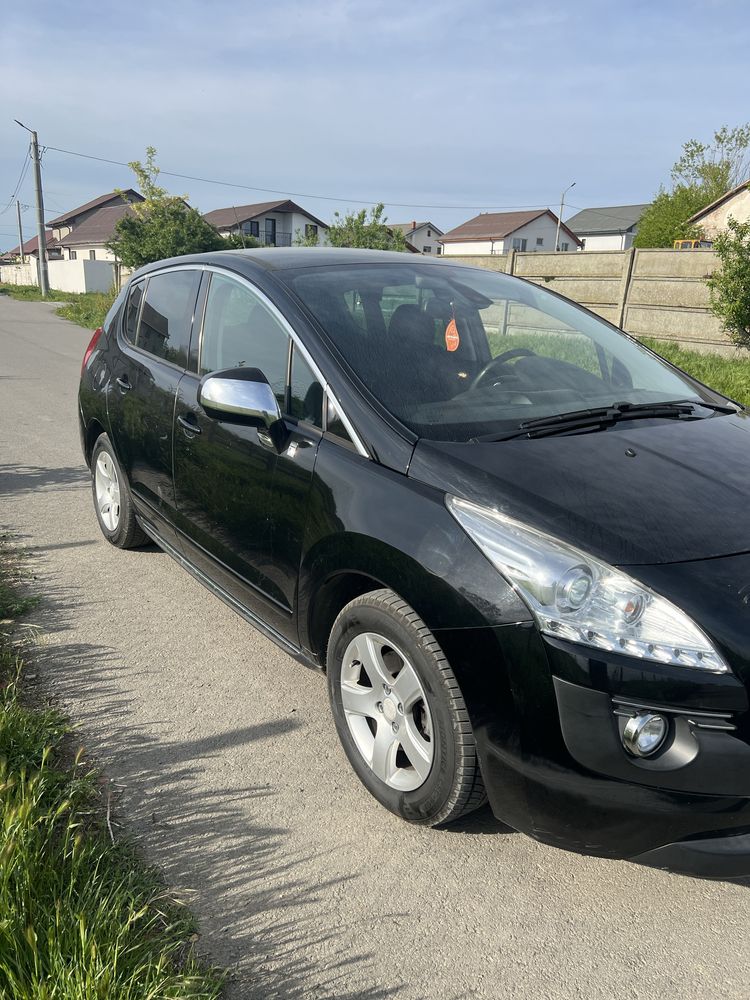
(725, 856)
(549, 739)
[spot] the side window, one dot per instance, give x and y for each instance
(239, 331)
(307, 392)
(166, 317)
(131, 311)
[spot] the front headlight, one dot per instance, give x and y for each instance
(574, 596)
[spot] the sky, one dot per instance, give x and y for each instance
(440, 109)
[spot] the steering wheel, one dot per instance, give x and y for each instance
(501, 359)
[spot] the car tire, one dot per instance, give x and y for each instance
(399, 712)
(112, 501)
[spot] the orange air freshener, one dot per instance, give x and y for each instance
(452, 339)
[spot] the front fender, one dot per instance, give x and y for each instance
(369, 520)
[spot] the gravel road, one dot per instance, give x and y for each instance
(229, 773)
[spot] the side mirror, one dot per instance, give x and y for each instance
(243, 396)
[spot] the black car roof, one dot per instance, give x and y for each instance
(282, 258)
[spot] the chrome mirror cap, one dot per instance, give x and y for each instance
(240, 395)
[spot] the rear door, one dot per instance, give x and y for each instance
(241, 506)
(153, 342)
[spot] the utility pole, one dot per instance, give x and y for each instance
(559, 218)
(20, 230)
(43, 275)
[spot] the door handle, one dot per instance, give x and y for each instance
(188, 425)
(124, 383)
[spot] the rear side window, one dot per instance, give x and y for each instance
(167, 315)
(131, 312)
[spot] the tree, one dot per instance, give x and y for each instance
(163, 225)
(665, 219)
(729, 285)
(356, 229)
(703, 173)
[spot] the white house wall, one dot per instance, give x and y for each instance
(608, 241)
(472, 246)
(424, 236)
(299, 222)
(737, 208)
(545, 229)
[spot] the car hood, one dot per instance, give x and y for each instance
(639, 493)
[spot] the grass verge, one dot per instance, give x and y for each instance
(81, 918)
(728, 375)
(87, 309)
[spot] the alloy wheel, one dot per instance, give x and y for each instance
(386, 711)
(107, 487)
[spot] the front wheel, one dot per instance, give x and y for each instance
(112, 502)
(399, 712)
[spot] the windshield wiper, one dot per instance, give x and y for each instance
(599, 417)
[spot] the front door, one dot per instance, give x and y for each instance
(270, 232)
(153, 343)
(241, 505)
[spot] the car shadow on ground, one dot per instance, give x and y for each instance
(261, 903)
(17, 479)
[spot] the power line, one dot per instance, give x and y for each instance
(19, 182)
(293, 194)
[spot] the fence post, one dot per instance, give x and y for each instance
(627, 274)
(510, 262)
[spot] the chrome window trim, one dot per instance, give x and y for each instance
(294, 339)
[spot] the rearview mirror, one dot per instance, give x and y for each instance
(243, 396)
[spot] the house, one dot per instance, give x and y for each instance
(499, 232)
(610, 228)
(735, 204)
(31, 249)
(272, 223)
(420, 235)
(89, 239)
(84, 232)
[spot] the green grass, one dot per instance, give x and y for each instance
(87, 309)
(728, 375)
(81, 917)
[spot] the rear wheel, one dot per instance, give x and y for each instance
(399, 712)
(112, 502)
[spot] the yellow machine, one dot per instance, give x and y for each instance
(692, 244)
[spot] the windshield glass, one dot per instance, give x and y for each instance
(456, 353)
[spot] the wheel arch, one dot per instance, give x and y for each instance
(94, 430)
(346, 565)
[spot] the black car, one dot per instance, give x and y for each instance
(517, 540)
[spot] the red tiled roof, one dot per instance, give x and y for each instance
(32, 245)
(229, 218)
(99, 228)
(63, 220)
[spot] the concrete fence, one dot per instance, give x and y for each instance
(67, 275)
(649, 293)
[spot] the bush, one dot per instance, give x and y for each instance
(730, 285)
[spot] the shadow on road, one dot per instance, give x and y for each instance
(259, 900)
(15, 479)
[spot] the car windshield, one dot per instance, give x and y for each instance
(457, 353)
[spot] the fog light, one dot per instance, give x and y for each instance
(644, 733)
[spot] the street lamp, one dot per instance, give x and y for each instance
(559, 218)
